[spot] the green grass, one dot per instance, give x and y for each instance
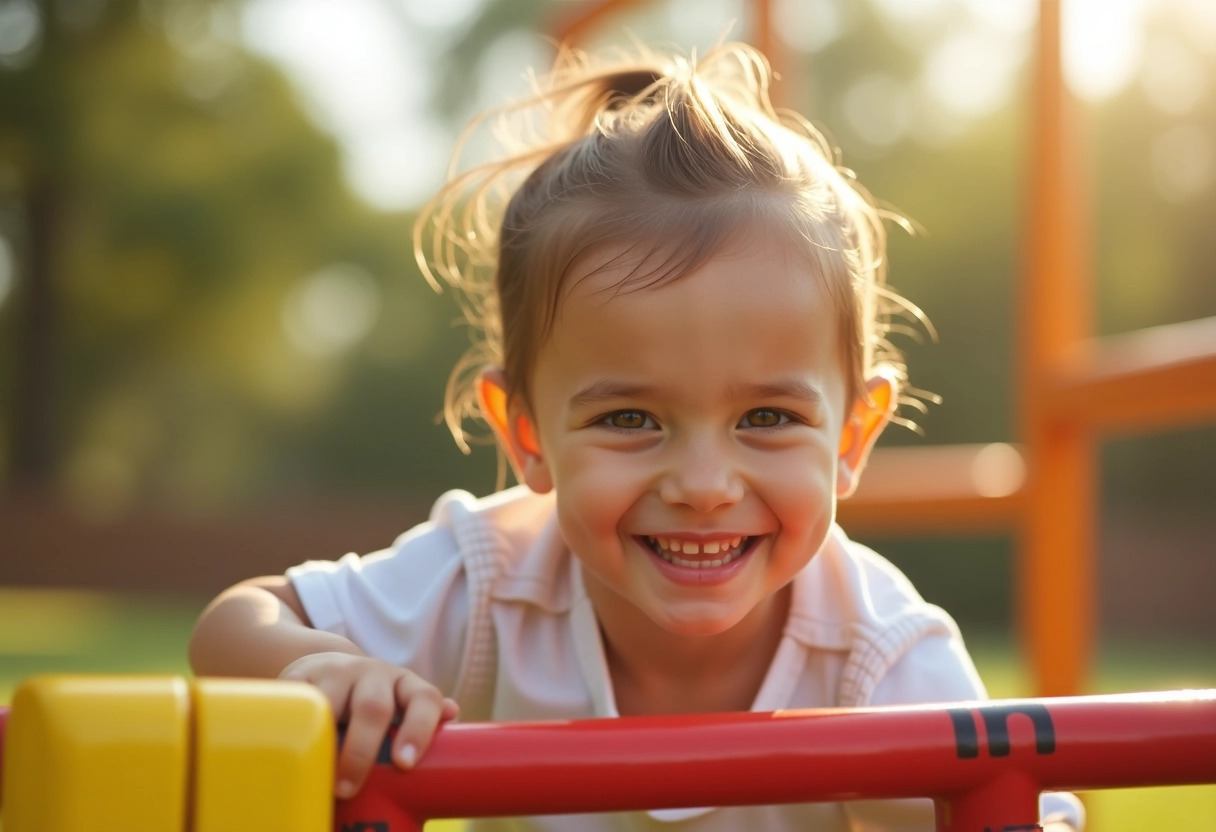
(65, 631)
(80, 632)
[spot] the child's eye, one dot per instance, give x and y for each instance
(628, 420)
(764, 417)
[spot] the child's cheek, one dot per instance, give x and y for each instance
(800, 491)
(594, 472)
(597, 495)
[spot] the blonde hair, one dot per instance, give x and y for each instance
(630, 153)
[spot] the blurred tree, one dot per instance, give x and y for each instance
(463, 59)
(190, 263)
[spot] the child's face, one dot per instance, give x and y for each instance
(692, 433)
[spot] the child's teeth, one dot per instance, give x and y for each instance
(689, 547)
(670, 550)
(697, 564)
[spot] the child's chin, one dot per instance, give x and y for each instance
(697, 626)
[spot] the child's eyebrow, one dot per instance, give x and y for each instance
(794, 388)
(607, 390)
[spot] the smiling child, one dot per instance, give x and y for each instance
(682, 307)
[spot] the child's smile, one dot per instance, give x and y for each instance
(691, 431)
(689, 560)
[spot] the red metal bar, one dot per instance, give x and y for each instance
(1008, 802)
(983, 761)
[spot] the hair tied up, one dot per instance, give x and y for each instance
(623, 87)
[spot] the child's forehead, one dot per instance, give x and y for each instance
(745, 316)
(730, 285)
(622, 268)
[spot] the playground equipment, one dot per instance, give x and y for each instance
(159, 753)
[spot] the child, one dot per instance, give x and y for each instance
(684, 362)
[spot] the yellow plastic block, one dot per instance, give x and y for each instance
(87, 753)
(264, 757)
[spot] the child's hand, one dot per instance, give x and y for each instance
(367, 693)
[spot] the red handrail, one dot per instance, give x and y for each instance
(984, 762)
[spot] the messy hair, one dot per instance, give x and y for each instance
(660, 160)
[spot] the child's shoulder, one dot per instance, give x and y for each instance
(515, 516)
(469, 551)
(487, 534)
(849, 588)
(509, 543)
(853, 600)
(882, 578)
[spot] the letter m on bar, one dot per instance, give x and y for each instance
(996, 725)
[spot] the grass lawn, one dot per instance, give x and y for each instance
(79, 632)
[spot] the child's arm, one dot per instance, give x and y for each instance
(259, 628)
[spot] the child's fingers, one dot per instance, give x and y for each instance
(337, 691)
(1050, 825)
(370, 711)
(319, 672)
(424, 708)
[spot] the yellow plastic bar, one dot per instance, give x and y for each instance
(263, 757)
(98, 752)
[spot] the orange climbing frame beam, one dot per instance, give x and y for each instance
(1162, 377)
(1055, 571)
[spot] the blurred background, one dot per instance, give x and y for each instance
(218, 357)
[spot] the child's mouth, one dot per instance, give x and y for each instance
(693, 555)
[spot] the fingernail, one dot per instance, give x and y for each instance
(346, 789)
(408, 755)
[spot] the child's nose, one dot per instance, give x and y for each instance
(703, 478)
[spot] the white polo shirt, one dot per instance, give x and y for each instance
(486, 602)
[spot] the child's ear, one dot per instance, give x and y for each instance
(861, 431)
(514, 429)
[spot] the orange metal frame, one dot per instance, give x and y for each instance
(1073, 388)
